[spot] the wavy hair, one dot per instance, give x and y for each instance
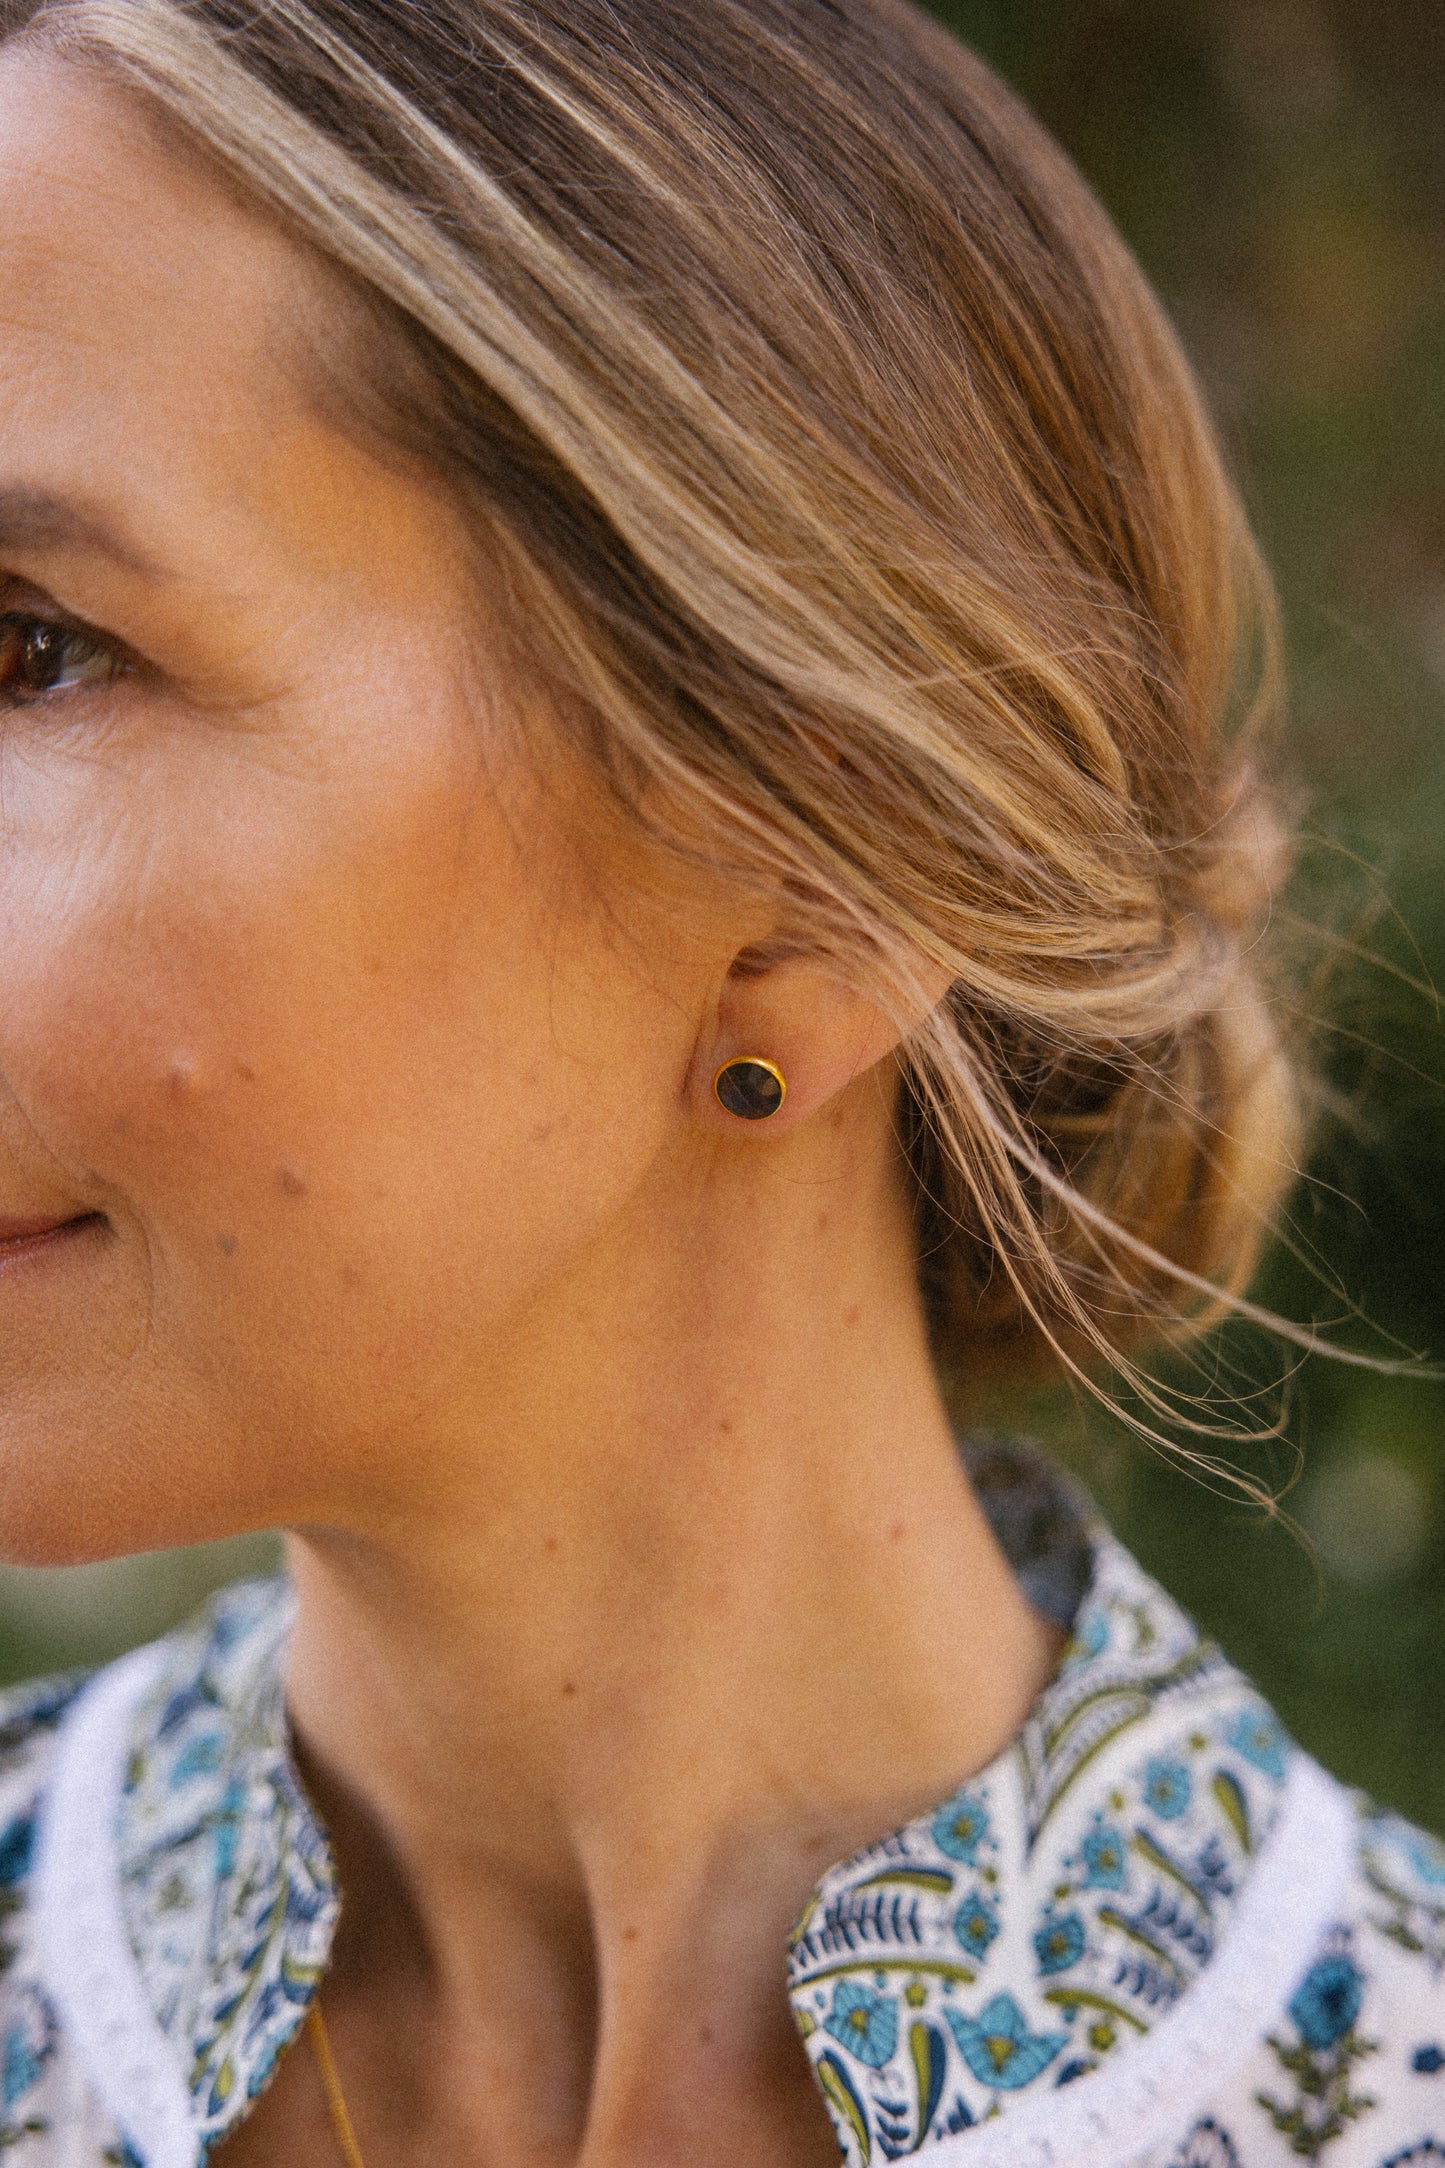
(861, 509)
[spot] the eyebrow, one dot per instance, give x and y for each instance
(33, 519)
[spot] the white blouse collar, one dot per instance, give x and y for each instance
(1052, 1947)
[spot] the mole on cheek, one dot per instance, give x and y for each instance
(226, 1244)
(291, 1182)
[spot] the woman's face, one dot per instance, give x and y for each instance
(317, 1052)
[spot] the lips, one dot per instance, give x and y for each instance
(19, 1237)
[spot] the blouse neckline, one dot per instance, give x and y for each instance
(1005, 1957)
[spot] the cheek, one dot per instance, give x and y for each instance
(343, 1115)
(139, 987)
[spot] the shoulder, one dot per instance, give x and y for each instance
(31, 1717)
(1349, 2070)
(162, 1709)
(31, 1721)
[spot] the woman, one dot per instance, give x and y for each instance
(630, 854)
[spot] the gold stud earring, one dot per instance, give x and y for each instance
(750, 1087)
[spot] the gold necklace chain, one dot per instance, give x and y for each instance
(331, 2084)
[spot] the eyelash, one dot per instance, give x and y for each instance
(36, 644)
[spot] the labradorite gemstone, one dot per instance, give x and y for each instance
(748, 1089)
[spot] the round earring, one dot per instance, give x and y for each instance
(750, 1087)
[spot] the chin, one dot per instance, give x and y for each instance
(79, 1484)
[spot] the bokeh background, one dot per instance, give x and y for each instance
(1279, 165)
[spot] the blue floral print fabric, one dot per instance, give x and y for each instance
(1048, 1913)
(227, 1886)
(1009, 1955)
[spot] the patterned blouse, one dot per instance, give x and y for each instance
(1151, 1934)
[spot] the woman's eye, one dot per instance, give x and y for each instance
(39, 656)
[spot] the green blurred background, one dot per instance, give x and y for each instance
(1280, 167)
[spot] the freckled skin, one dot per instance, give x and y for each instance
(242, 841)
(379, 1072)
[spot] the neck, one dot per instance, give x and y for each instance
(698, 1605)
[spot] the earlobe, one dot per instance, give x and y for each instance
(820, 1034)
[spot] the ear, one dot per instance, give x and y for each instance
(794, 1010)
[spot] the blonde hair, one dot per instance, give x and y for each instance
(860, 505)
